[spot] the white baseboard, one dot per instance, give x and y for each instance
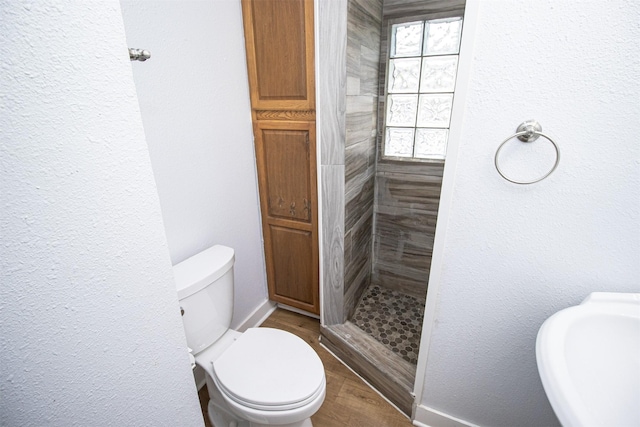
(428, 417)
(258, 316)
(297, 310)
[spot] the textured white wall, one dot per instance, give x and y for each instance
(514, 255)
(194, 99)
(90, 332)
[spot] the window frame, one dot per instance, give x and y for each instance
(384, 78)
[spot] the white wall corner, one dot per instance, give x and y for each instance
(258, 316)
(429, 417)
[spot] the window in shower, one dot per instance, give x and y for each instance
(421, 77)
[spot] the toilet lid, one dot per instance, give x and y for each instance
(267, 368)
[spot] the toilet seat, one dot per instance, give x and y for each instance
(269, 370)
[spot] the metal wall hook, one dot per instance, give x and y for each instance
(139, 54)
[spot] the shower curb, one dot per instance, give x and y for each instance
(385, 370)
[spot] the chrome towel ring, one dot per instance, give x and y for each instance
(528, 131)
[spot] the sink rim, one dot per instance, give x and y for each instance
(564, 397)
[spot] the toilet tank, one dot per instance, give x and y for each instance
(205, 290)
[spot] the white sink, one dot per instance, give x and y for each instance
(589, 361)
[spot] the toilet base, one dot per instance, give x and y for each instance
(220, 417)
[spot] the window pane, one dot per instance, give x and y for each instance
(423, 64)
(439, 74)
(431, 143)
(406, 39)
(401, 110)
(443, 36)
(435, 110)
(399, 142)
(403, 75)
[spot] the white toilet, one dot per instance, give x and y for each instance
(258, 378)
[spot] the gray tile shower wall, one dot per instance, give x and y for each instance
(331, 79)
(407, 192)
(400, 8)
(364, 18)
(406, 208)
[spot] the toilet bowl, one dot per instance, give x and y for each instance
(261, 377)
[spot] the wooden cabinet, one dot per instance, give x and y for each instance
(280, 61)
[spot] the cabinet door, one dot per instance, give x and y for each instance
(280, 50)
(280, 57)
(285, 154)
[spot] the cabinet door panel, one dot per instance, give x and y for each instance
(293, 269)
(286, 158)
(278, 29)
(280, 53)
(285, 154)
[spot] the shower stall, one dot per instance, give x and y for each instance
(379, 211)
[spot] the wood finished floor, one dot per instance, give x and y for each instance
(349, 401)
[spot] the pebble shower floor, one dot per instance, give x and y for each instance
(392, 318)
